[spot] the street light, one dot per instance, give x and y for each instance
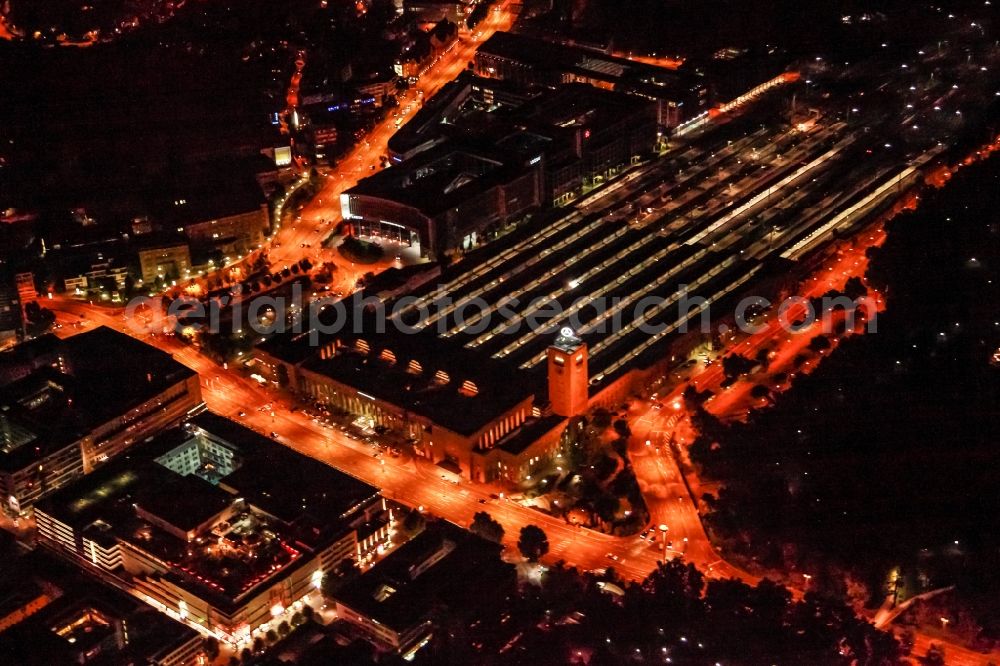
(663, 532)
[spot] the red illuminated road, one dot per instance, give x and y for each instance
(357, 164)
(301, 234)
(655, 425)
(417, 483)
(5, 32)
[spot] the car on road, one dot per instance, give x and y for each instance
(482, 501)
(613, 557)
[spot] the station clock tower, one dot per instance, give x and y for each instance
(568, 378)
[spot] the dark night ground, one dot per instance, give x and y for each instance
(897, 451)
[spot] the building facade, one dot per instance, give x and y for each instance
(148, 391)
(239, 233)
(166, 261)
(217, 526)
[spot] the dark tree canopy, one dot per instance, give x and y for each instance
(485, 526)
(532, 542)
(884, 457)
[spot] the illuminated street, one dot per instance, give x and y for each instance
(498, 332)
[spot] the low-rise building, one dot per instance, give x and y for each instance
(453, 405)
(11, 315)
(440, 117)
(29, 356)
(216, 525)
(532, 61)
(231, 217)
(444, 569)
(165, 258)
(456, 11)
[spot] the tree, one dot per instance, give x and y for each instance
(606, 507)
(764, 358)
(605, 466)
(935, 656)
(297, 619)
(602, 418)
(38, 319)
(854, 288)
(485, 526)
(211, 646)
(819, 343)
(620, 447)
(414, 522)
(532, 543)
(272, 636)
(307, 612)
(284, 628)
(735, 365)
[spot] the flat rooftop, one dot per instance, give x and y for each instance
(438, 179)
(201, 197)
(528, 433)
(255, 506)
(449, 385)
(434, 568)
(443, 114)
(82, 611)
(105, 374)
(550, 56)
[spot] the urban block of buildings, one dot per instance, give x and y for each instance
(69, 406)
(528, 60)
(49, 614)
(394, 604)
(476, 416)
(216, 525)
(497, 167)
